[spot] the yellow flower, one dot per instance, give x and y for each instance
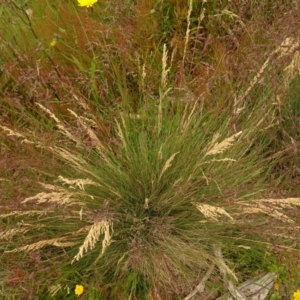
(276, 286)
(79, 289)
(87, 3)
(53, 43)
(296, 295)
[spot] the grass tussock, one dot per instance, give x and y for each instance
(145, 175)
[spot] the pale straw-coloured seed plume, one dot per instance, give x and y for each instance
(178, 182)
(183, 119)
(218, 148)
(24, 140)
(98, 228)
(253, 82)
(159, 115)
(10, 132)
(212, 212)
(213, 141)
(24, 213)
(74, 160)
(266, 210)
(187, 33)
(54, 289)
(288, 46)
(167, 165)
(293, 69)
(84, 229)
(186, 121)
(142, 69)
(143, 73)
(237, 107)
(64, 244)
(90, 122)
(271, 207)
(61, 198)
(123, 256)
(188, 30)
(57, 287)
(159, 154)
(226, 159)
(59, 125)
(165, 70)
(82, 102)
(57, 242)
(146, 204)
(244, 247)
(8, 234)
(76, 183)
(49, 186)
(163, 91)
(29, 13)
(285, 203)
(93, 137)
(120, 132)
